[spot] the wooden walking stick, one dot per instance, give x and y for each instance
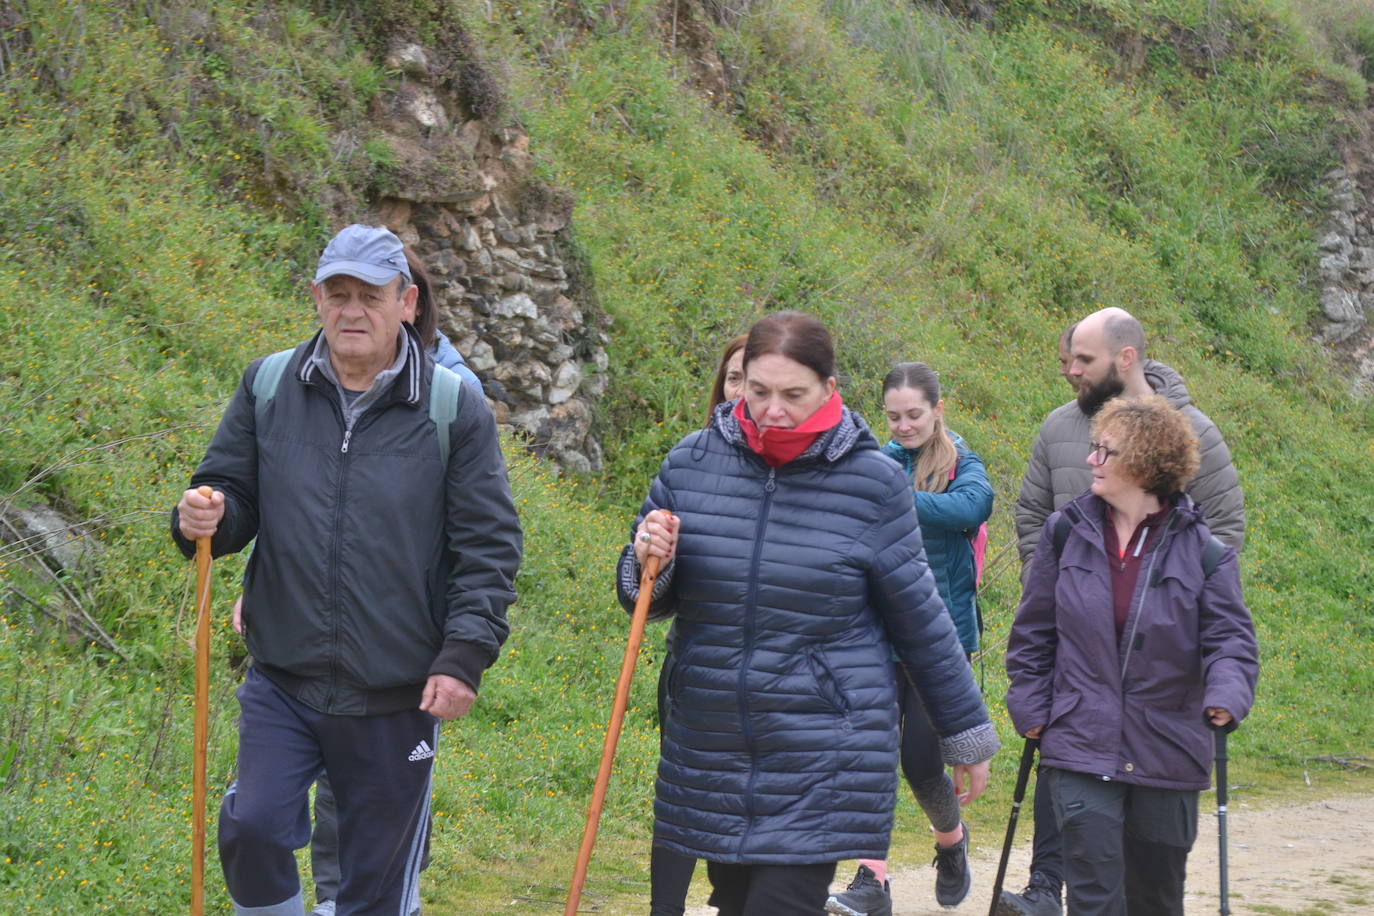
(622, 699)
(202, 733)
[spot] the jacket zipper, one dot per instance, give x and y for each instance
(750, 609)
(1145, 585)
(334, 551)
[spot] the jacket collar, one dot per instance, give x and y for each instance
(407, 383)
(907, 457)
(848, 435)
(1085, 511)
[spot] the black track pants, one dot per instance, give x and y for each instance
(380, 769)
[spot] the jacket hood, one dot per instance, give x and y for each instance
(851, 434)
(1167, 383)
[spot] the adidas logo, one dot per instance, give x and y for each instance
(422, 752)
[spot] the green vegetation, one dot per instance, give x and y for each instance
(934, 188)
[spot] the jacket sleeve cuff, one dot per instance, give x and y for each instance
(464, 660)
(973, 745)
(628, 575)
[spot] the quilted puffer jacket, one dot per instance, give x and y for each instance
(791, 588)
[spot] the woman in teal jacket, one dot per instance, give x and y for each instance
(953, 498)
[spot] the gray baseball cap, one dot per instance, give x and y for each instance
(373, 254)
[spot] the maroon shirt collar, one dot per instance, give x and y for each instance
(1125, 564)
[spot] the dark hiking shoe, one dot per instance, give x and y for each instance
(1040, 898)
(865, 896)
(952, 875)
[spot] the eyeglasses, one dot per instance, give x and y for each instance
(1099, 453)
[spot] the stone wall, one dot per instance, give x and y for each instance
(495, 239)
(1345, 260)
(1345, 273)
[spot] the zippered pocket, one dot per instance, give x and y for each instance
(827, 684)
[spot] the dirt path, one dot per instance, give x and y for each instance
(1315, 857)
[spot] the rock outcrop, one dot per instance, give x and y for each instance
(462, 191)
(1345, 271)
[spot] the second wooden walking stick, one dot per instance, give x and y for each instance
(202, 732)
(622, 699)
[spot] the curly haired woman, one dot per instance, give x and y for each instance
(1126, 650)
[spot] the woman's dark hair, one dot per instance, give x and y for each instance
(799, 337)
(718, 389)
(426, 315)
(938, 456)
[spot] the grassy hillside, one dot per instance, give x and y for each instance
(934, 187)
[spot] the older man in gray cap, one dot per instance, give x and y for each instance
(387, 544)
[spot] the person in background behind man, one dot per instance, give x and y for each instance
(1066, 356)
(1107, 360)
(426, 321)
(376, 596)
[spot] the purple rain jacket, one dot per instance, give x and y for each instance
(1134, 711)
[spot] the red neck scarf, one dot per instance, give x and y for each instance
(778, 446)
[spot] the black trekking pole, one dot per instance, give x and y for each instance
(1018, 795)
(1221, 816)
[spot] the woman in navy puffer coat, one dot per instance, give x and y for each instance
(796, 569)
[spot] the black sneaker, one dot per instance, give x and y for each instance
(1040, 898)
(952, 875)
(865, 896)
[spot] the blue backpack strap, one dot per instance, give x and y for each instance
(268, 377)
(445, 394)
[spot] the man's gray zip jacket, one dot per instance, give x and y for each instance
(1057, 470)
(791, 588)
(375, 565)
(1130, 709)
